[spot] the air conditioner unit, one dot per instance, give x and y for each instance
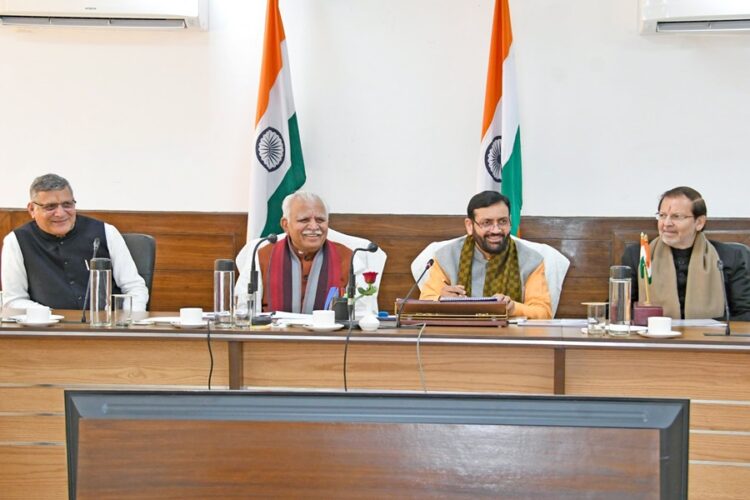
(694, 16)
(160, 14)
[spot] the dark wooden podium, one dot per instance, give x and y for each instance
(322, 445)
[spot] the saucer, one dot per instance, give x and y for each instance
(323, 328)
(39, 323)
(661, 335)
(21, 318)
(188, 325)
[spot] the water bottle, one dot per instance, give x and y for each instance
(619, 300)
(100, 291)
(223, 293)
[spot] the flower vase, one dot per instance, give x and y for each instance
(369, 323)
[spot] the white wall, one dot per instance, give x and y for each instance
(389, 95)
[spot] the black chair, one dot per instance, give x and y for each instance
(143, 250)
(745, 251)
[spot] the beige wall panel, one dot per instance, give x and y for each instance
(110, 361)
(38, 472)
(675, 374)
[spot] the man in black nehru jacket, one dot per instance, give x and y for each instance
(44, 261)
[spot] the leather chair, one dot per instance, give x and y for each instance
(744, 249)
(142, 248)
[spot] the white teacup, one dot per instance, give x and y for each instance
(37, 314)
(191, 316)
(323, 318)
(659, 324)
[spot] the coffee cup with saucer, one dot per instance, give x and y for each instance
(190, 317)
(323, 321)
(37, 316)
(660, 327)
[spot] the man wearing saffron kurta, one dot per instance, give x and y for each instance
(687, 267)
(487, 262)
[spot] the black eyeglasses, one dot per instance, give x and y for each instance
(486, 224)
(51, 207)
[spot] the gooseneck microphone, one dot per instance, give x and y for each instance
(95, 245)
(411, 290)
(252, 286)
(350, 290)
(727, 331)
(352, 286)
(720, 265)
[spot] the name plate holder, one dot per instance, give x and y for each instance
(453, 313)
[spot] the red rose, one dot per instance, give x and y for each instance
(370, 277)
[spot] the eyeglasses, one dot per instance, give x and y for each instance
(675, 217)
(51, 207)
(489, 224)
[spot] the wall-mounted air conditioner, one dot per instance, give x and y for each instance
(694, 16)
(161, 14)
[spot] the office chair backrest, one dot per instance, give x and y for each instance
(143, 250)
(744, 249)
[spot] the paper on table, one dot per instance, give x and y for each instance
(697, 322)
(286, 318)
(553, 322)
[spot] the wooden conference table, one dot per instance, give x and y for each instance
(37, 364)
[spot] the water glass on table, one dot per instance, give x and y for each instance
(241, 312)
(596, 318)
(122, 309)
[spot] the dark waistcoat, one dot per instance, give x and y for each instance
(56, 267)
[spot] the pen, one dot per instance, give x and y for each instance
(332, 294)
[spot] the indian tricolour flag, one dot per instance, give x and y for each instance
(500, 162)
(277, 166)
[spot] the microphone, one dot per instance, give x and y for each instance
(350, 290)
(88, 281)
(411, 290)
(252, 286)
(720, 265)
(727, 331)
(352, 286)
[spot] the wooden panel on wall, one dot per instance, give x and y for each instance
(720, 416)
(117, 361)
(394, 367)
(727, 447)
(31, 398)
(33, 472)
(717, 482)
(637, 373)
(188, 243)
(32, 428)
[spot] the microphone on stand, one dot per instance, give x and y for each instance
(411, 290)
(252, 286)
(88, 281)
(727, 331)
(352, 286)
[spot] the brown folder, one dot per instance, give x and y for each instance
(452, 313)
